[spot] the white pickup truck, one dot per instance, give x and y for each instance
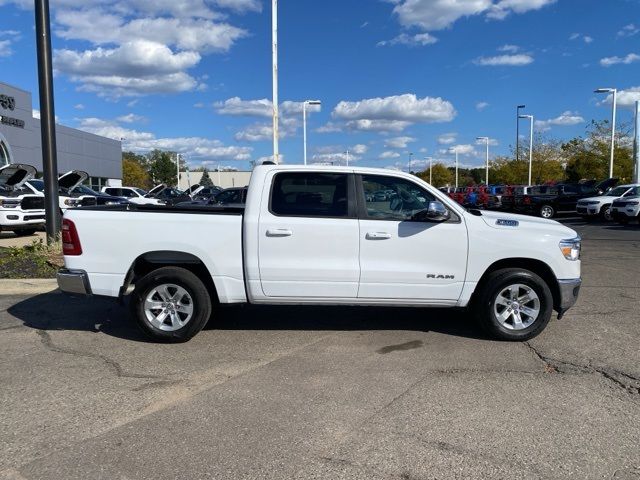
(321, 235)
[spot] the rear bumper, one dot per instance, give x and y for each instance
(569, 291)
(74, 281)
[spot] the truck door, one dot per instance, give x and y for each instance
(405, 259)
(308, 244)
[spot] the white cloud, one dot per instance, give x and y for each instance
(447, 138)
(389, 154)
(480, 106)
(492, 142)
(131, 118)
(626, 60)
(565, 119)
(240, 6)
(5, 48)
(464, 150)
(79, 106)
(417, 40)
(398, 142)
(516, 60)
(259, 132)
(137, 141)
(509, 48)
(393, 113)
(629, 30)
(359, 149)
(329, 127)
(263, 107)
(578, 36)
(433, 15)
(625, 98)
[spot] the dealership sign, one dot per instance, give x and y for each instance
(9, 103)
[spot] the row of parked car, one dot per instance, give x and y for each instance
(22, 196)
(591, 199)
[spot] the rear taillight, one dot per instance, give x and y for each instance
(70, 240)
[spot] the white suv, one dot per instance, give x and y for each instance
(626, 209)
(601, 206)
(21, 211)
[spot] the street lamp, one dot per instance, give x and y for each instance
(304, 123)
(613, 123)
(410, 160)
(347, 152)
(486, 139)
(518, 108)
(530, 117)
(274, 73)
(455, 149)
(430, 169)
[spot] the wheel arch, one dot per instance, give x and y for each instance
(536, 266)
(150, 261)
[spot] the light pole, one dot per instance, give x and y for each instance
(274, 62)
(410, 160)
(636, 144)
(486, 139)
(347, 157)
(455, 149)
(530, 117)
(178, 171)
(430, 169)
(518, 108)
(304, 123)
(613, 123)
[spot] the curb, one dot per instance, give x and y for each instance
(25, 286)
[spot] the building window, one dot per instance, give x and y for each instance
(96, 183)
(4, 155)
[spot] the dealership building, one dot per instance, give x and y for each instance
(20, 142)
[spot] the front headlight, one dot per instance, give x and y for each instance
(592, 203)
(571, 248)
(72, 202)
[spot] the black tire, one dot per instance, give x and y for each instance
(25, 232)
(605, 213)
(200, 301)
(495, 283)
(547, 211)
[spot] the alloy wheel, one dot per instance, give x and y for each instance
(168, 307)
(517, 306)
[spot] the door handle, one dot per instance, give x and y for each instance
(279, 232)
(378, 236)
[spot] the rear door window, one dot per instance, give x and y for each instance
(303, 194)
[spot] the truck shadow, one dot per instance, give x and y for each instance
(55, 311)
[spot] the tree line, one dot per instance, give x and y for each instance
(154, 168)
(581, 158)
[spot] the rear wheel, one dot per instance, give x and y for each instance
(514, 304)
(171, 304)
(547, 211)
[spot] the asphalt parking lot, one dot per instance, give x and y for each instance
(330, 393)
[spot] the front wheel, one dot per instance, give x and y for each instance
(514, 304)
(605, 213)
(171, 304)
(547, 211)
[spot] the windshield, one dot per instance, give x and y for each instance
(37, 184)
(140, 191)
(619, 191)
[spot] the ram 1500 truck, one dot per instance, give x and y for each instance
(318, 235)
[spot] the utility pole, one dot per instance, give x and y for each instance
(486, 139)
(178, 171)
(47, 120)
(430, 170)
(274, 60)
(304, 124)
(636, 145)
(347, 157)
(614, 93)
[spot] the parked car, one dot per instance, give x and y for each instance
(133, 194)
(21, 210)
(306, 236)
(168, 195)
(601, 205)
(625, 209)
(66, 183)
(207, 193)
(101, 198)
(230, 196)
(562, 198)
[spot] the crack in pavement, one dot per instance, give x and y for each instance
(627, 382)
(114, 366)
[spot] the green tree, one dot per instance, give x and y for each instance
(134, 174)
(205, 180)
(162, 167)
(441, 175)
(588, 158)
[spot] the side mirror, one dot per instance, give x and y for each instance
(435, 212)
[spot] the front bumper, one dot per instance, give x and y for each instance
(15, 218)
(587, 210)
(569, 291)
(74, 281)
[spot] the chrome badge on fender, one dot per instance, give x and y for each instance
(507, 223)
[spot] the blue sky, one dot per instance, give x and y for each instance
(394, 77)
